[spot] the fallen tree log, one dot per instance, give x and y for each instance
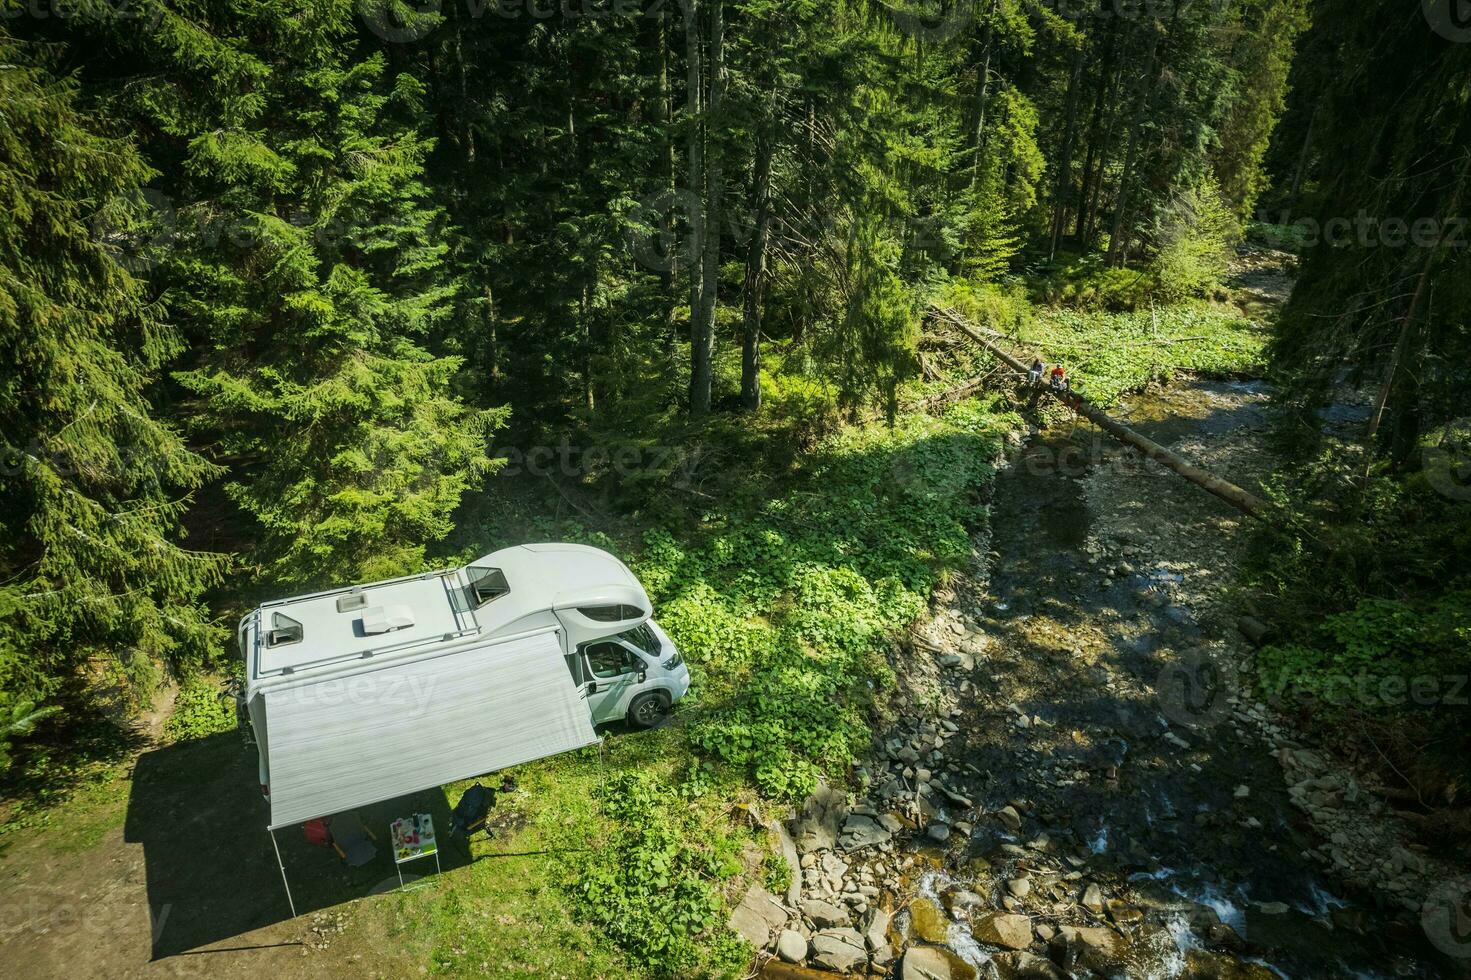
(1243, 500)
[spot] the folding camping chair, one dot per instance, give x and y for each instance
(352, 840)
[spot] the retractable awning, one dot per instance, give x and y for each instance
(339, 743)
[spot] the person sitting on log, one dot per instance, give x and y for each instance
(1059, 379)
(1035, 374)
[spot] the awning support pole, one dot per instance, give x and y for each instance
(289, 900)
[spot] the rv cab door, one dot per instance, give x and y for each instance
(613, 673)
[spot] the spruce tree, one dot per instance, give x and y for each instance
(92, 565)
(310, 275)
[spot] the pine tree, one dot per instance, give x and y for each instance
(93, 485)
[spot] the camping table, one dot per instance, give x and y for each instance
(413, 838)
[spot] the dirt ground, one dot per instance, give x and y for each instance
(174, 876)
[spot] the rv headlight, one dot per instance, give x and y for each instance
(673, 662)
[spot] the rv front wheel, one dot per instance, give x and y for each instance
(647, 710)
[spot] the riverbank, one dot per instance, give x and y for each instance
(1053, 797)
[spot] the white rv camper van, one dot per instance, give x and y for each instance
(365, 693)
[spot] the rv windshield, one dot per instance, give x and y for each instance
(643, 638)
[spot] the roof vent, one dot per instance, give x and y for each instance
(386, 619)
(355, 600)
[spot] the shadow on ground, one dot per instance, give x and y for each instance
(211, 872)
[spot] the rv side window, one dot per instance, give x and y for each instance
(284, 630)
(611, 614)
(609, 659)
(486, 584)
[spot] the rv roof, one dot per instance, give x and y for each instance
(541, 578)
(333, 624)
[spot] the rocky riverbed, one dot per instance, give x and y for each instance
(1078, 780)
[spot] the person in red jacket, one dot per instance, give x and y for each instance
(1059, 378)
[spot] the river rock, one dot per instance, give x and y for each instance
(960, 900)
(927, 922)
(825, 915)
(757, 915)
(1093, 899)
(1021, 965)
(934, 963)
(862, 831)
(816, 827)
(1122, 913)
(938, 832)
(839, 950)
(791, 947)
(1002, 929)
(794, 861)
(1091, 947)
(876, 929)
(1010, 818)
(1019, 887)
(1203, 965)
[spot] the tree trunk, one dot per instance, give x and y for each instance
(669, 278)
(1393, 369)
(1118, 248)
(756, 273)
(1243, 500)
(695, 149)
(1100, 96)
(704, 332)
(983, 87)
(1302, 156)
(1065, 158)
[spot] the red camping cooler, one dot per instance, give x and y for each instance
(316, 832)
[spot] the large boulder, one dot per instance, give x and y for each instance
(758, 914)
(839, 950)
(934, 963)
(1003, 929)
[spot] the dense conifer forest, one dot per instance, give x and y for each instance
(301, 293)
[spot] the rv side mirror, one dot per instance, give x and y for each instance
(592, 687)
